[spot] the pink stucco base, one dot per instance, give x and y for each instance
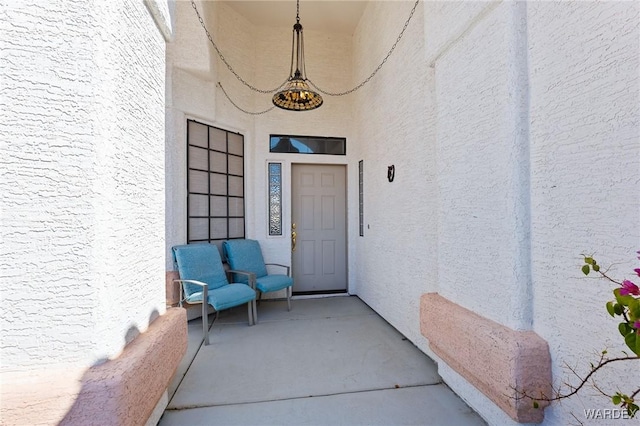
(122, 391)
(173, 288)
(495, 359)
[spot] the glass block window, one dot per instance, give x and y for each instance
(275, 199)
(215, 184)
(361, 196)
(307, 145)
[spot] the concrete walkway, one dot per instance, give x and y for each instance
(330, 361)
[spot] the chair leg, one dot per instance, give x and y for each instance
(205, 323)
(250, 312)
(289, 292)
(255, 311)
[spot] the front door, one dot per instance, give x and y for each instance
(319, 231)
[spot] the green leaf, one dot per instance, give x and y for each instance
(610, 309)
(634, 308)
(633, 342)
(616, 399)
(589, 260)
(632, 409)
(624, 329)
(596, 267)
(623, 300)
(618, 309)
(586, 269)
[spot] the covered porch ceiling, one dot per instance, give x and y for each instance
(340, 17)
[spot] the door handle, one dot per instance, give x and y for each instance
(294, 234)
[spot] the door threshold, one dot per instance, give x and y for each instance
(319, 295)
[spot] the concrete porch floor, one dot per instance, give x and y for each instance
(330, 361)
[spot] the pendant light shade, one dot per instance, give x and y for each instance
(296, 94)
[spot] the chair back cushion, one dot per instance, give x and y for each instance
(245, 255)
(200, 262)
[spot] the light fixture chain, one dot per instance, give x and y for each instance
(224, 60)
(241, 109)
(365, 81)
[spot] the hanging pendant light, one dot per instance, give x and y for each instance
(296, 94)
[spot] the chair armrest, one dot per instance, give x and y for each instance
(205, 289)
(281, 265)
(200, 283)
(250, 275)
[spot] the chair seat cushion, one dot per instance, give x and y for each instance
(225, 297)
(273, 283)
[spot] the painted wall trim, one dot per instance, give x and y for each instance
(492, 357)
(172, 288)
(162, 16)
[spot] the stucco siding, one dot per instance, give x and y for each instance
(190, 94)
(480, 169)
(129, 227)
(47, 186)
(83, 180)
(396, 260)
(585, 179)
(561, 169)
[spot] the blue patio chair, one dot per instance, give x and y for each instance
(246, 255)
(203, 277)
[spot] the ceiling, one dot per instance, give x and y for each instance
(317, 15)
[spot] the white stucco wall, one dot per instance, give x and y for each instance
(585, 181)
(482, 165)
(396, 260)
(522, 141)
(82, 185)
(190, 94)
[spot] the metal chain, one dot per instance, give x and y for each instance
(241, 109)
(224, 60)
(365, 81)
(324, 92)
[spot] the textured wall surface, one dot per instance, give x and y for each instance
(47, 185)
(585, 181)
(526, 187)
(82, 181)
(190, 93)
(483, 213)
(395, 261)
(121, 391)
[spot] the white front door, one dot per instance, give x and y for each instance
(319, 217)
